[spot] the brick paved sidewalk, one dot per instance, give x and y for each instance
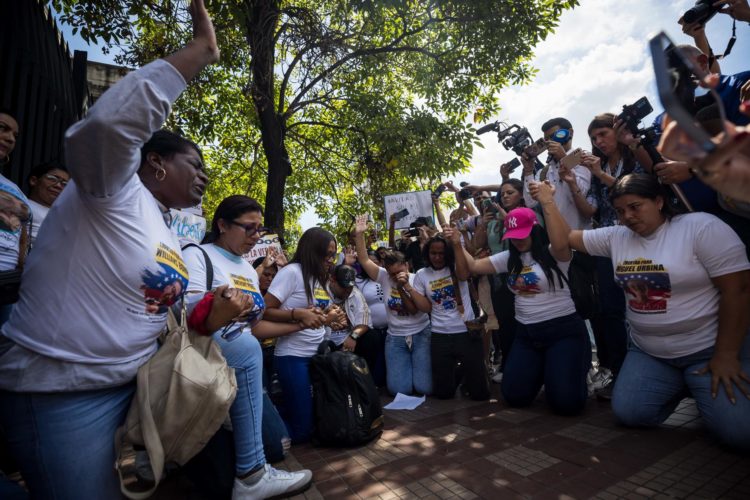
(464, 449)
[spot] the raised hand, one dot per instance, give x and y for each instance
(542, 192)
(203, 30)
(350, 256)
(360, 224)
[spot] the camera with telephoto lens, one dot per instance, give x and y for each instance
(701, 12)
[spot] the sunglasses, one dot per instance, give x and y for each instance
(252, 229)
(56, 180)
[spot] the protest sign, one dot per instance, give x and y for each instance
(417, 203)
(188, 227)
(260, 248)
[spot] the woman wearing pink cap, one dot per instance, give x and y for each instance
(551, 346)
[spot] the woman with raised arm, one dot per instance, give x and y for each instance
(687, 281)
(407, 344)
(98, 284)
(551, 345)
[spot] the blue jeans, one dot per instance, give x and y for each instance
(554, 353)
(409, 369)
(244, 354)
(64, 442)
(274, 431)
(297, 411)
(649, 388)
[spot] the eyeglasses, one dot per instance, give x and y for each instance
(252, 229)
(56, 180)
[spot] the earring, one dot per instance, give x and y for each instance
(161, 174)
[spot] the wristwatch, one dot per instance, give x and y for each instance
(354, 336)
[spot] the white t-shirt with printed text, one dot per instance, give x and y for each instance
(672, 305)
(288, 287)
(536, 300)
(400, 322)
(229, 269)
(438, 287)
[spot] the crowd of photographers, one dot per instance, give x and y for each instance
(635, 238)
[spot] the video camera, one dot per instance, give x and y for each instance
(631, 115)
(701, 12)
(512, 137)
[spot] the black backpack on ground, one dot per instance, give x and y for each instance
(346, 403)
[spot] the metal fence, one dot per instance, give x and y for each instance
(40, 83)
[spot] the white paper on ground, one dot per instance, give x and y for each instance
(404, 402)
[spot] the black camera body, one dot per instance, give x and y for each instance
(464, 194)
(512, 137)
(518, 140)
(701, 12)
(632, 114)
(413, 231)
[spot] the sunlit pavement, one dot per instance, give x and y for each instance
(466, 449)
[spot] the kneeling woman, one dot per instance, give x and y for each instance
(235, 230)
(443, 288)
(298, 295)
(407, 345)
(551, 345)
(687, 282)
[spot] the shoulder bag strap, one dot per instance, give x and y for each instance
(209, 265)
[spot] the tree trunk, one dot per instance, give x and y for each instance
(261, 24)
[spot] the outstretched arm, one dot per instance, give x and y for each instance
(103, 151)
(360, 226)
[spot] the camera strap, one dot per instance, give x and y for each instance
(728, 50)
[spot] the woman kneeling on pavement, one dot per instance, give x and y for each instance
(551, 345)
(407, 345)
(443, 291)
(103, 273)
(236, 228)
(687, 282)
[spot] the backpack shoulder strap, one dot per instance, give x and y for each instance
(209, 265)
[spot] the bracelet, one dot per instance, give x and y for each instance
(293, 315)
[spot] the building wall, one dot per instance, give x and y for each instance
(40, 83)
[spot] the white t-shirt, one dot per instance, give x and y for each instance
(400, 322)
(536, 300)
(288, 287)
(97, 285)
(563, 195)
(13, 207)
(438, 287)
(39, 212)
(672, 304)
(229, 269)
(373, 292)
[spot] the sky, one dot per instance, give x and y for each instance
(596, 61)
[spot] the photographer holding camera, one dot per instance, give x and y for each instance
(558, 132)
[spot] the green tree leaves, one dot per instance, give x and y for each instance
(333, 103)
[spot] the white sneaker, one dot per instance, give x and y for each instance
(274, 484)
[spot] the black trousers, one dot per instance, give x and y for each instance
(446, 351)
(371, 346)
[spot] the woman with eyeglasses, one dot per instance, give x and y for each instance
(46, 182)
(235, 229)
(298, 295)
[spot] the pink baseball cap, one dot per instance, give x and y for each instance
(518, 223)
